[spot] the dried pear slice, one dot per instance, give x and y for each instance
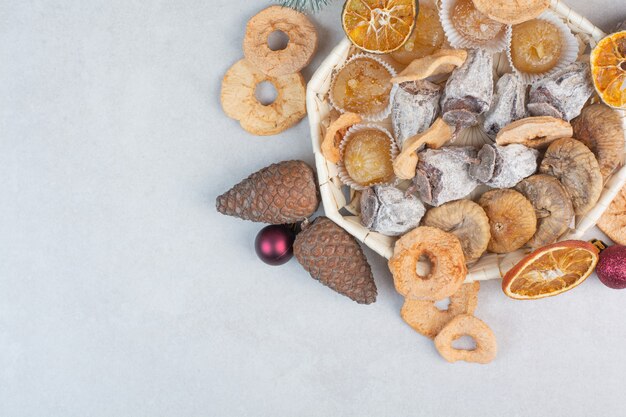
(466, 220)
(441, 62)
(571, 162)
(535, 132)
(511, 12)
(553, 207)
(512, 219)
(600, 128)
(335, 134)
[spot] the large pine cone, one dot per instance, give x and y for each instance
(280, 193)
(334, 257)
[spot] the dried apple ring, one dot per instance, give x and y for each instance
(425, 318)
(467, 325)
(240, 103)
(445, 254)
(300, 48)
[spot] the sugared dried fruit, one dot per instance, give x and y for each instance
(536, 46)
(600, 128)
(512, 12)
(472, 24)
(379, 26)
(510, 163)
(467, 325)
(333, 257)
(425, 318)
(299, 50)
(414, 107)
(335, 133)
(426, 38)
(362, 86)
(443, 175)
(467, 221)
(367, 156)
(445, 255)
(535, 132)
(613, 220)
(553, 207)
(469, 90)
(509, 104)
(386, 209)
(571, 162)
(608, 63)
(562, 94)
(280, 193)
(239, 100)
(511, 218)
(443, 61)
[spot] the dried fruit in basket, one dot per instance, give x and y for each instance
(426, 38)
(240, 103)
(444, 253)
(613, 220)
(467, 325)
(608, 68)
(362, 86)
(414, 108)
(379, 26)
(472, 24)
(467, 221)
(535, 132)
(576, 167)
(333, 257)
(281, 193)
(511, 217)
(335, 133)
(551, 270)
(509, 104)
(299, 50)
(442, 175)
(386, 209)
(553, 208)
(443, 61)
(562, 94)
(468, 92)
(512, 12)
(600, 128)
(427, 319)
(504, 166)
(536, 46)
(367, 154)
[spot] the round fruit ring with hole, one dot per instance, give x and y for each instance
(240, 103)
(467, 325)
(445, 254)
(300, 48)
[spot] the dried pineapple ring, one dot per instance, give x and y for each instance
(613, 220)
(446, 256)
(467, 325)
(425, 318)
(240, 103)
(608, 69)
(299, 51)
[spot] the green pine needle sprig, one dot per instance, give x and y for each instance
(305, 5)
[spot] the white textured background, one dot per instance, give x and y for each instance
(124, 293)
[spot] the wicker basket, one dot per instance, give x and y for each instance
(336, 199)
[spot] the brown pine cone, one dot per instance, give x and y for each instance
(334, 257)
(280, 193)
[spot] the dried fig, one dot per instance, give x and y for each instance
(553, 207)
(535, 132)
(571, 162)
(467, 221)
(600, 128)
(613, 220)
(386, 209)
(414, 107)
(511, 217)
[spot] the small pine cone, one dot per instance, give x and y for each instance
(280, 193)
(334, 257)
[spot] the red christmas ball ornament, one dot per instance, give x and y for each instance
(611, 268)
(274, 244)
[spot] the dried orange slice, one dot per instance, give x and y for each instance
(379, 26)
(608, 69)
(551, 270)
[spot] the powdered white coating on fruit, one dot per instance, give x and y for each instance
(386, 209)
(509, 104)
(414, 107)
(562, 94)
(443, 174)
(513, 164)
